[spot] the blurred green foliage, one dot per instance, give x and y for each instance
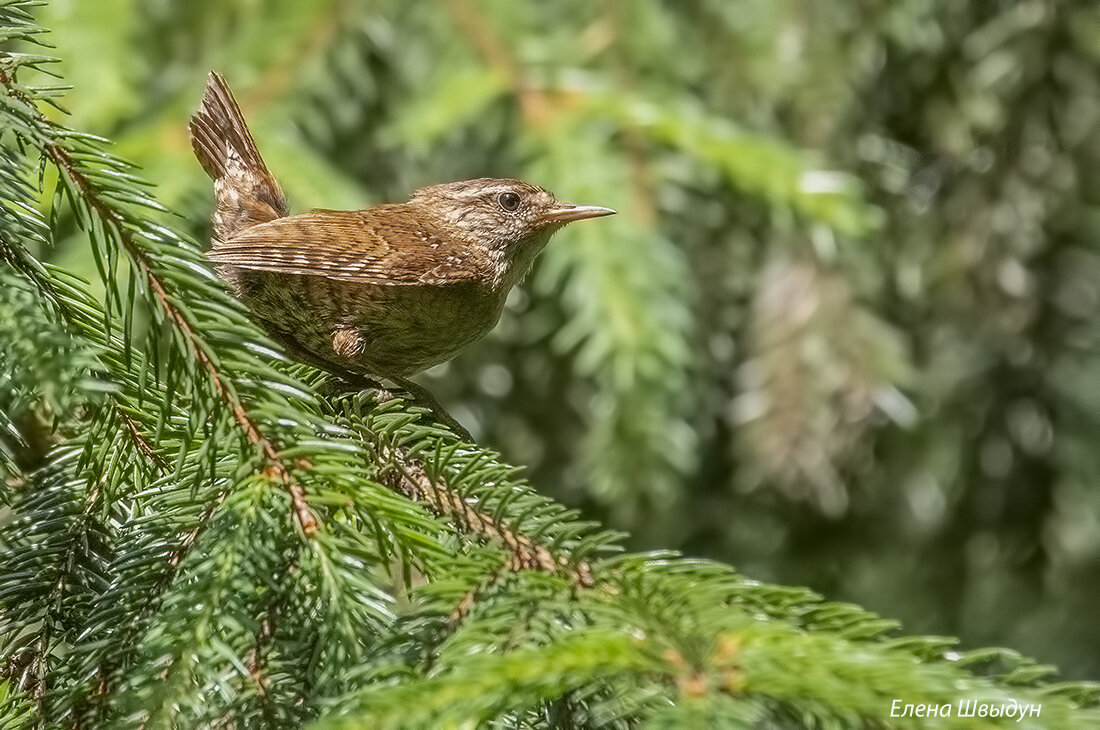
(844, 331)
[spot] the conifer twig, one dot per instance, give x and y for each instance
(410, 478)
(16, 257)
(109, 215)
(113, 220)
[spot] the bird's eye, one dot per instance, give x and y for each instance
(509, 201)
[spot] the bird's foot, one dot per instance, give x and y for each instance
(423, 397)
(419, 396)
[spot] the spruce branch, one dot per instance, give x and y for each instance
(403, 465)
(114, 220)
(21, 221)
(59, 540)
(199, 608)
(111, 217)
(71, 313)
(410, 478)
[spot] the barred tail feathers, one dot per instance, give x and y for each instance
(247, 193)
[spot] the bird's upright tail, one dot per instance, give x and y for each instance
(247, 193)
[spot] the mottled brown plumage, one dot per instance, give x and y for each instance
(386, 291)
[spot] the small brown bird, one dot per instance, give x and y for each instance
(388, 291)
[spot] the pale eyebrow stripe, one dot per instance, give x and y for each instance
(484, 192)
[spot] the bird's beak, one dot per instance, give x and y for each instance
(567, 212)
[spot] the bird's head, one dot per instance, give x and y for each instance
(512, 219)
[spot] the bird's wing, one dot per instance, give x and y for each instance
(386, 245)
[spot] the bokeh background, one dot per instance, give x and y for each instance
(844, 332)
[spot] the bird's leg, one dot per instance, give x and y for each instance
(358, 381)
(423, 397)
(345, 339)
(349, 343)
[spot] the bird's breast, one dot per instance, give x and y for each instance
(407, 329)
(381, 330)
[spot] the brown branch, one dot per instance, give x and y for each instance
(462, 610)
(109, 664)
(524, 553)
(410, 478)
(255, 659)
(275, 466)
(138, 437)
(111, 218)
(16, 257)
(29, 673)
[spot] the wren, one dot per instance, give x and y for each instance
(387, 291)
